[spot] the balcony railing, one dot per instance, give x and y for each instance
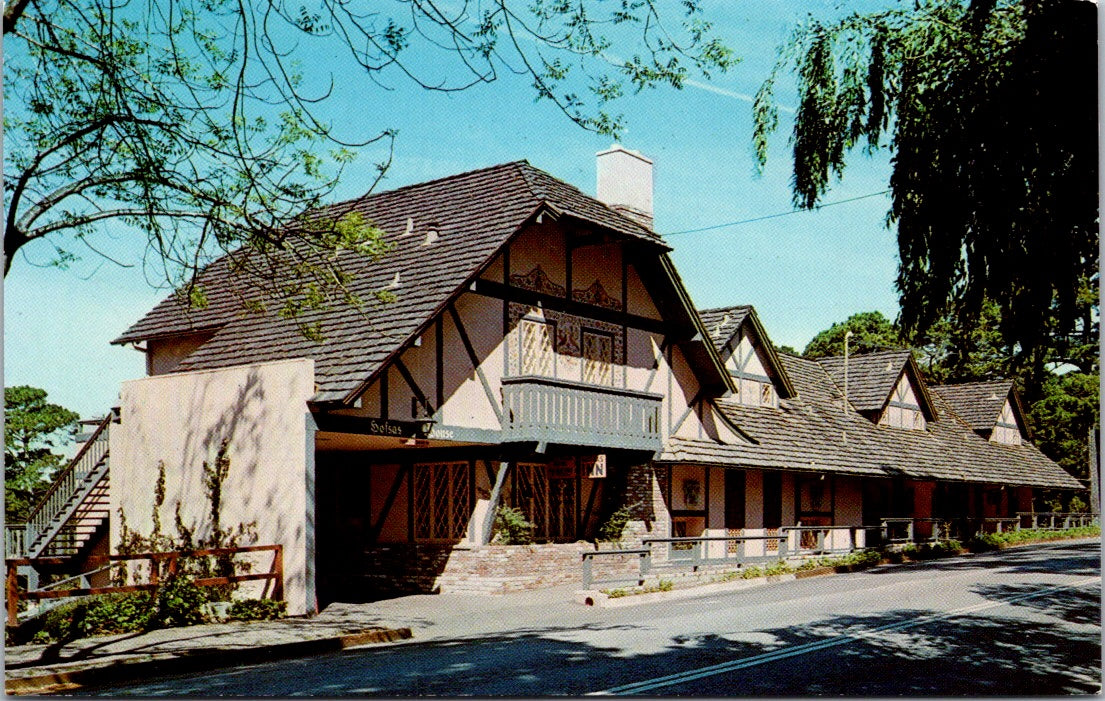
(560, 411)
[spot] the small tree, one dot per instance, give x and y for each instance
(33, 428)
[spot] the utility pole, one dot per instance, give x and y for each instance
(1095, 471)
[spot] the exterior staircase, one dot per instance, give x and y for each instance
(75, 510)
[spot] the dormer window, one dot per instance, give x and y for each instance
(903, 410)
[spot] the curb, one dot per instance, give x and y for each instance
(69, 681)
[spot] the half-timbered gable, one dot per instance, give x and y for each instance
(750, 359)
(992, 409)
(886, 387)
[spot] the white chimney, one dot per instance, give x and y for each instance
(625, 182)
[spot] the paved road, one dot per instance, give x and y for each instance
(1023, 622)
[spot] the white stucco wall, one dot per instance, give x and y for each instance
(182, 418)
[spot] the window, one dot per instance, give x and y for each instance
(442, 501)
(598, 357)
(535, 340)
(767, 395)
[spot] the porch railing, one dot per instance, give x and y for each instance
(1053, 521)
(14, 540)
(695, 552)
(557, 411)
(166, 563)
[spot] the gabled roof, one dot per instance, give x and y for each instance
(474, 214)
(724, 323)
(979, 404)
(813, 432)
(873, 376)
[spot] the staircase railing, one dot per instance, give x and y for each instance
(64, 495)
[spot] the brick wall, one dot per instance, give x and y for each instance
(492, 569)
(645, 488)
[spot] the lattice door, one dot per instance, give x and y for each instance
(441, 501)
(598, 354)
(535, 339)
(562, 509)
(531, 496)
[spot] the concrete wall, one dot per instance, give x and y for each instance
(181, 419)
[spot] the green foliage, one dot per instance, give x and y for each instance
(33, 428)
(611, 529)
(930, 551)
(990, 109)
(955, 349)
(179, 602)
(200, 126)
(257, 610)
(662, 585)
(511, 527)
(996, 541)
(1063, 417)
(101, 615)
(871, 332)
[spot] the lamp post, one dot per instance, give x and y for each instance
(847, 335)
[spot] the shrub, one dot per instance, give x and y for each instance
(100, 615)
(611, 530)
(511, 527)
(257, 610)
(179, 603)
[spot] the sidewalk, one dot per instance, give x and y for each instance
(37, 669)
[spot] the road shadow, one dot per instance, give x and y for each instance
(897, 653)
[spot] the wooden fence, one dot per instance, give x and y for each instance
(167, 562)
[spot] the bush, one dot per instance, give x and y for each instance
(611, 530)
(257, 610)
(511, 527)
(100, 615)
(995, 541)
(179, 603)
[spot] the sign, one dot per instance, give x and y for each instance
(598, 468)
(371, 426)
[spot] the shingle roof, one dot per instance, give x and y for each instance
(871, 376)
(812, 432)
(723, 322)
(977, 403)
(475, 213)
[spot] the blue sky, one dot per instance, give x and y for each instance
(802, 271)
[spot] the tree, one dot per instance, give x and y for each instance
(33, 428)
(991, 111)
(1063, 417)
(871, 332)
(192, 122)
(951, 352)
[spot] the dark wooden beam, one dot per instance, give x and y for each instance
(392, 493)
(497, 290)
(409, 379)
(491, 398)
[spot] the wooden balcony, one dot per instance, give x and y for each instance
(548, 410)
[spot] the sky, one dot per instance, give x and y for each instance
(802, 271)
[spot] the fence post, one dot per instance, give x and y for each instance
(588, 575)
(278, 570)
(12, 585)
(646, 562)
(909, 531)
